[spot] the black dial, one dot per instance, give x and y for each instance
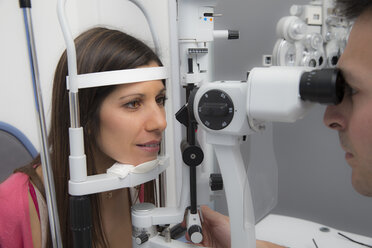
(216, 109)
(142, 238)
(215, 181)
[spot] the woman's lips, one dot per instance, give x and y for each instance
(152, 146)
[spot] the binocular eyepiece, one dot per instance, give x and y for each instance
(325, 86)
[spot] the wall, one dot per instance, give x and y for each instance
(314, 179)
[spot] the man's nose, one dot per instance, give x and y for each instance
(334, 117)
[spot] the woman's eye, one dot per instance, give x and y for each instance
(133, 104)
(161, 100)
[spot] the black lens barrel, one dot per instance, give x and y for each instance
(325, 86)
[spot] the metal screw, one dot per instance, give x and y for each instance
(324, 229)
(261, 127)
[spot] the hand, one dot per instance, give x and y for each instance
(265, 244)
(216, 231)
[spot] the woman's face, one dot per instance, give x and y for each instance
(132, 120)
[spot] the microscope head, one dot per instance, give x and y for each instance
(284, 94)
(271, 94)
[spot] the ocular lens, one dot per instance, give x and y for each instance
(324, 86)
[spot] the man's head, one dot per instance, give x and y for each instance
(352, 118)
(352, 9)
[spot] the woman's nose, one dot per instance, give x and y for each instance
(156, 120)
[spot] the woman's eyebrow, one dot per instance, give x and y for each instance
(132, 95)
(162, 91)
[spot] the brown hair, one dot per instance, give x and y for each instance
(98, 49)
(351, 9)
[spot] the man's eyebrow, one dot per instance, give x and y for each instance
(346, 74)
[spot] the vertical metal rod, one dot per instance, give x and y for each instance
(193, 189)
(161, 191)
(193, 192)
(191, 140)
(44, 154)
(74, 109)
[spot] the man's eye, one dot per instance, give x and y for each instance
(349, 91)
(133, 104)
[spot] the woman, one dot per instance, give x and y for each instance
(121, 123)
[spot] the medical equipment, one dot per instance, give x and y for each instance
(290, 231)
(262, 98)
(196, 35)
(44, 154)
(239, 120)
(229, 111)
(80, 184)
(313, 35)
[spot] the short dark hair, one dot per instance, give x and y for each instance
(351, 9)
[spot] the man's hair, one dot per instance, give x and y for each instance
(351, 9)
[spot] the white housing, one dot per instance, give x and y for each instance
(273, 94)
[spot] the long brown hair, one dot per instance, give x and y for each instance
(98, 49)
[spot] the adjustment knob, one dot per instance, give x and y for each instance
(142, 238)
(216, 182)
(215, 109)
(195, 233)
(193, 156)
(233, 35)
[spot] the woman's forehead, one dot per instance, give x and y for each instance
(146, 87)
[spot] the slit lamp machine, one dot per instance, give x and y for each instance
(298, 74)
